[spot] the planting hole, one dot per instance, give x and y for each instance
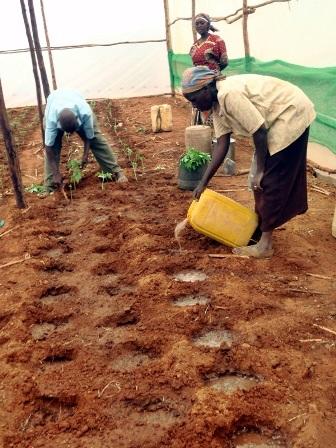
(214, 339)
(102, 249)
(191, 301)
(101, 218)
(128, 317)
(232, 383)
(120, 319)
(57, 266)
(54, 253)
(190, 276)
(42, 331)
(59, 292)
(164, 419)
(130, 361)
(116, 290)
(255, 440)
(63, 356)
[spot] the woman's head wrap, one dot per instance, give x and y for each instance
(206, 17)
(195, 78)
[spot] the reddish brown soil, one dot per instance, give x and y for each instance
(94, 354)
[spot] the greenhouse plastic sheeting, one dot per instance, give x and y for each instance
(318, 83)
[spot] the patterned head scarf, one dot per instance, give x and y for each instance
(195, 78)
(206, 17)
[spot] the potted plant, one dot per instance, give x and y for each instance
(192, 166)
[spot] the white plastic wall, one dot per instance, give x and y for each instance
(301, 32)
(111, 72)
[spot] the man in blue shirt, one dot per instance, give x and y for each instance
(67, 111)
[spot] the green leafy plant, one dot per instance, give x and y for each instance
(36, 188)
(192, 159)
(75, 172)
(129, 153)
(104, 177)
(133, 155)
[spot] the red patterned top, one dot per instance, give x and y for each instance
(211, 52)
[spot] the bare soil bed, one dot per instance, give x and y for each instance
(96, 348)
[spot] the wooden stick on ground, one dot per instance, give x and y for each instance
(325, 329)
(8, 231)
(297, 416)
(321, 168)
(320, 190)
(323, 277)
(306, 291)
(64, 194)
(227, 256)
(26, 257)
(312, 340)
(25, 210)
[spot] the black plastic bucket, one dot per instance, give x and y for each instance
(188, 180)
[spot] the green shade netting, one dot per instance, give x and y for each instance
(318, 83)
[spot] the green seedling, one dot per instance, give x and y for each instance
(129, 152)
(137, 158)
(104, 177)
(36, 188)
(192, 159)
(75, 172)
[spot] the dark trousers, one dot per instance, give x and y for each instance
(284, 185)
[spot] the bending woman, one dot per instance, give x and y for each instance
(277, 115)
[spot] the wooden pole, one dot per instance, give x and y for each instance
(51, 62)
(34, 65)
(245, 34)
(193, 13)
(168, 43)
(38, 51)
(12, 158)
(237, 15)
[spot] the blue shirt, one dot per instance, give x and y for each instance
(66, 99)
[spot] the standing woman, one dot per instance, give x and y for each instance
(209, 49)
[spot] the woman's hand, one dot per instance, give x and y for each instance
(198, 191)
